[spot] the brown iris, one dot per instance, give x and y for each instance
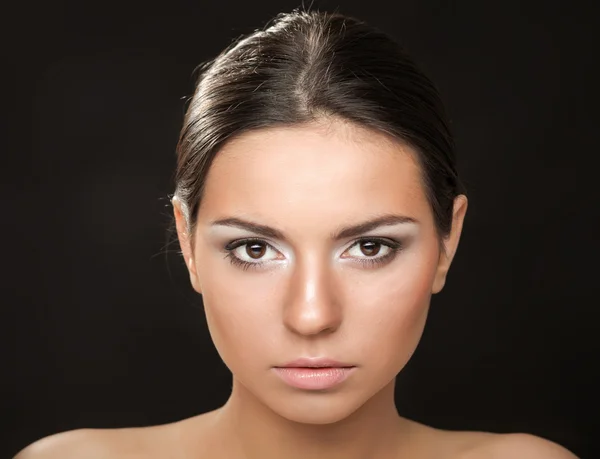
(256, 250)
(370, 248)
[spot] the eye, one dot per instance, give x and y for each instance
(368, 252)
(369, 248)
(243, 252)
(250, 253)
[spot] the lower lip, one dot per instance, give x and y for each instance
(313, 378)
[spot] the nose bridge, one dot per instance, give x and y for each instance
(312, 306)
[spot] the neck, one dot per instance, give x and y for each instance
(373, 431)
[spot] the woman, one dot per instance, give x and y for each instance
(318, 208)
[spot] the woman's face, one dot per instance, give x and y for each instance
(310, 286)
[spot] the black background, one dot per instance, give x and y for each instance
(101, 328)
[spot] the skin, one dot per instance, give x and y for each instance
(311, 297)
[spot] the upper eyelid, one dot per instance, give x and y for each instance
(245, 241)
(248, 240)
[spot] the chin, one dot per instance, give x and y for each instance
(316, 408)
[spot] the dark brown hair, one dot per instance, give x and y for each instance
(306, 65)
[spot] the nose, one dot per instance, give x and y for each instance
(312, 305)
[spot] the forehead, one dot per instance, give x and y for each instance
(315, 172)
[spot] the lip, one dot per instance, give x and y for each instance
(314, 373)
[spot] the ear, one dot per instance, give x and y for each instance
(450, 243)
(185, 242)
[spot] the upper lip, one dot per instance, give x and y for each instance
(316, 362)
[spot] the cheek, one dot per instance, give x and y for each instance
(390, 312)
(237, 312)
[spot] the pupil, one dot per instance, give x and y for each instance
(251, 250)
(258, 250)
(372, 248)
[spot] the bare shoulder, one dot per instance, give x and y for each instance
(90, 443)
(125, 443)
(516, 446)
(484, 445)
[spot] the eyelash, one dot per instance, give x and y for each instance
(394, 246)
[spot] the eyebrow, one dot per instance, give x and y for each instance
(342, 233)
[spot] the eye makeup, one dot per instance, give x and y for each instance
(394, 247)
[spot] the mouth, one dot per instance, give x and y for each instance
(314, 374)
(305, 362)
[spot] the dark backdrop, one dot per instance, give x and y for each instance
(101, 328)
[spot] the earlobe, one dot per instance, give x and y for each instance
(440, 275)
